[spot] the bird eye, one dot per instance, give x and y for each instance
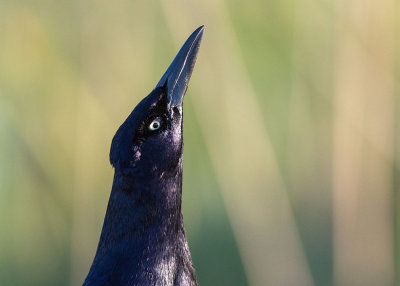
(155, 124)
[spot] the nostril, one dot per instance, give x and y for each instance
(177, 112)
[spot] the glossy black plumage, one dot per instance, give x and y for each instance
(143, 239)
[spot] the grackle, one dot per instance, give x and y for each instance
(143, 239)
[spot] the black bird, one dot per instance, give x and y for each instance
(143, 241)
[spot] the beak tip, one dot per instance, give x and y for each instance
(180, 70)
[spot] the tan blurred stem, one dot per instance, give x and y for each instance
(240, 151)
(91, 123)
(396, 203)
(362, 182)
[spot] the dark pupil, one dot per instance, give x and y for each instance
(155, 125)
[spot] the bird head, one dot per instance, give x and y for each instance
(150, 140)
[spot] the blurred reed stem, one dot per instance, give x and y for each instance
(363, 143)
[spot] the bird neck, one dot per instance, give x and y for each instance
(143, 230)
(140, 207)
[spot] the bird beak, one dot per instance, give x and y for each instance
(177, 76)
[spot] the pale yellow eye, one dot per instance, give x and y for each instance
(155, 124)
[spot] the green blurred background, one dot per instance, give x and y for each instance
(292, 135)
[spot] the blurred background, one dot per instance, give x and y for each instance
(292, 135)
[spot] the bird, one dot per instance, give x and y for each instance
(143, 240)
